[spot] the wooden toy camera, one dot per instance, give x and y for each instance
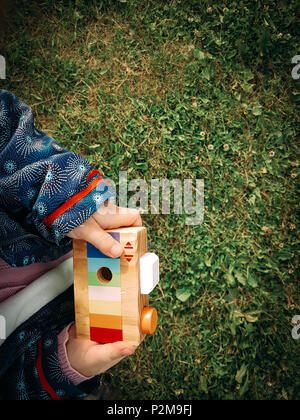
(111, 294)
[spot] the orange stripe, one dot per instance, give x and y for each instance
(70, 203)
(106, 321)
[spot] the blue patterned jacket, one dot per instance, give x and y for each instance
(45, 192)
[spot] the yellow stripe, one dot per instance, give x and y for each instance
(105, 308)
(106, 321)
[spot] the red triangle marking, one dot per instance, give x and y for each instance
(129, 259)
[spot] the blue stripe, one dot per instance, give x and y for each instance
(93, 252)
(112, 263)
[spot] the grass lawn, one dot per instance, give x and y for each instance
(186, 90)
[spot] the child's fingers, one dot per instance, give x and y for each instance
(111, 217)
(104, 242)
(107, 217)
(104, 356)
(91, 232)
(114, 351)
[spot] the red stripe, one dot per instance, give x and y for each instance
(92, 173)
(70, 203)
(43, 380)
(105, 335)
(95, 172)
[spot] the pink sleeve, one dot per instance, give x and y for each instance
(75, 377)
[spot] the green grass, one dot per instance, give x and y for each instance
(146, 87)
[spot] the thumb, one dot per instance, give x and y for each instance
(114, 351)
(104, 356)
(91, 232)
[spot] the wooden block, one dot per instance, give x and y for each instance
(134, 242)
(108, 299)
(81, 290)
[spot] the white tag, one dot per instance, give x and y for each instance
(149, 272)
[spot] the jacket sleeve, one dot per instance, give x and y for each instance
(30, 367)
(44, 189)
(73, 375)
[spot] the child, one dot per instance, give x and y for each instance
(48, 196)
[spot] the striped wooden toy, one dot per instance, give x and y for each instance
(104, 287)
(109, 305)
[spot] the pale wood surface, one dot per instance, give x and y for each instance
(132, 301)
(81, 289)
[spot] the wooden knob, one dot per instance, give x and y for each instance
(148, 320)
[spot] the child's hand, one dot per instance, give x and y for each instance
(107, 217)
(90, 359)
